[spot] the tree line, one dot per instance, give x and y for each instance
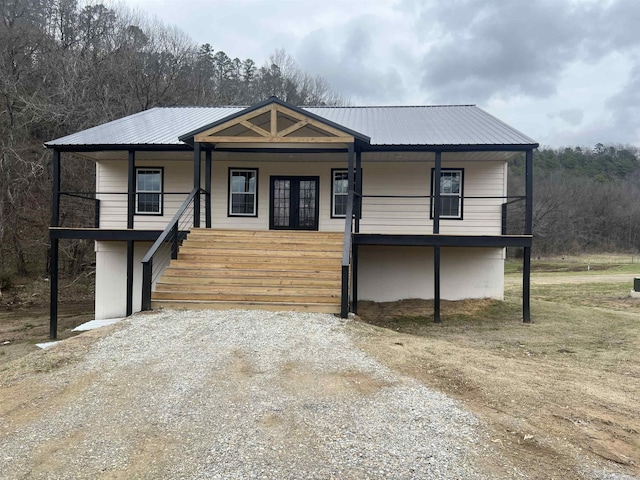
(66, 66)
(585, 199)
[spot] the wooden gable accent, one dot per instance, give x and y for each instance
(273, 123)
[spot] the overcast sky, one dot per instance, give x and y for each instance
(565, 72)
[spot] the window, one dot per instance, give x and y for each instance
(450, 193)
(243, 192)
(339, 193)
(149, 191)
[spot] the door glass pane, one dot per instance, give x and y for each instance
(281, 203)
(307, 204)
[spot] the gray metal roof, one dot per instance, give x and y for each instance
(421, 125)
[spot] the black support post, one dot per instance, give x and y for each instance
(346, 250)
(53, 254)
(196, 183)
(358, 206)
(130, 247)
(354, 278)
(53, 304)
(528, 211)
(55, 189)
(436, 284)
(436, 231)
(146, 284)
(528, 230)
(207, 187)
(131, 189)
(436, 193)
(526, 285)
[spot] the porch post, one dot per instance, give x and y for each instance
(130, 246)
(207, 187)
(528, 230)
(196, 184)
(436, 193)
(346, 250)
(131, 189)
(53, 254)
(358, 206)
(354, 278)
(436, 231)
(53, 302)
(55, 189)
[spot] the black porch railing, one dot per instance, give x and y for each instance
(79, 209)
(166, 246)
(502, 215)
(84, 209)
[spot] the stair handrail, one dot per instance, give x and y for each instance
(147, 261)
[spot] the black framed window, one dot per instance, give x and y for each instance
(451, 204)
(243, 192)
(339, 192)
(149, 191)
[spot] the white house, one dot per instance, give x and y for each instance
(280, 207)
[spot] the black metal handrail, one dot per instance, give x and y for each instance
(168, 243)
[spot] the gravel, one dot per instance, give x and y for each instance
(241, 394)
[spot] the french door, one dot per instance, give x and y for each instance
(294, 203)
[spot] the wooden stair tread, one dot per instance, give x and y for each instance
(254, 269)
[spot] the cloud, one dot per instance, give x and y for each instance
(572, 116)
(345, 56)
(494, 48)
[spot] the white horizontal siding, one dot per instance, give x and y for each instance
(481, 216)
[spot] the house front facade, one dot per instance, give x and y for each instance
(280, 207)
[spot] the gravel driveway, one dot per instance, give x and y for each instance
(239, 394)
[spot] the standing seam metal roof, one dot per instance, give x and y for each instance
(419, 125)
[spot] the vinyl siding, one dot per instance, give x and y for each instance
(380, 215)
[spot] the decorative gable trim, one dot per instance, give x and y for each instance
(273, 123)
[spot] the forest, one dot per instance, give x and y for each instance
(67, 65)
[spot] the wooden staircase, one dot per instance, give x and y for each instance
(269, 270)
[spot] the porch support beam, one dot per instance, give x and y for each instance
(53, 297)
(54, 245)
(354, 278)
(528, 229)
(348, 222)
(131, 188)
(436, 284)
(526, 285)
(207, 187)
(436, 230)
(436, 193)
(55, 189)
(358, 206)
(196, 183)
(130, 247)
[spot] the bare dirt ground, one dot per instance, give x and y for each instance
(24, 316)
(561, 395)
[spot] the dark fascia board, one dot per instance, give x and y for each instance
(443, 240)
(115, 147)
(103, 234)
(450, 148)
(188, 137)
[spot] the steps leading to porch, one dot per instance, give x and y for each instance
(270, 270)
